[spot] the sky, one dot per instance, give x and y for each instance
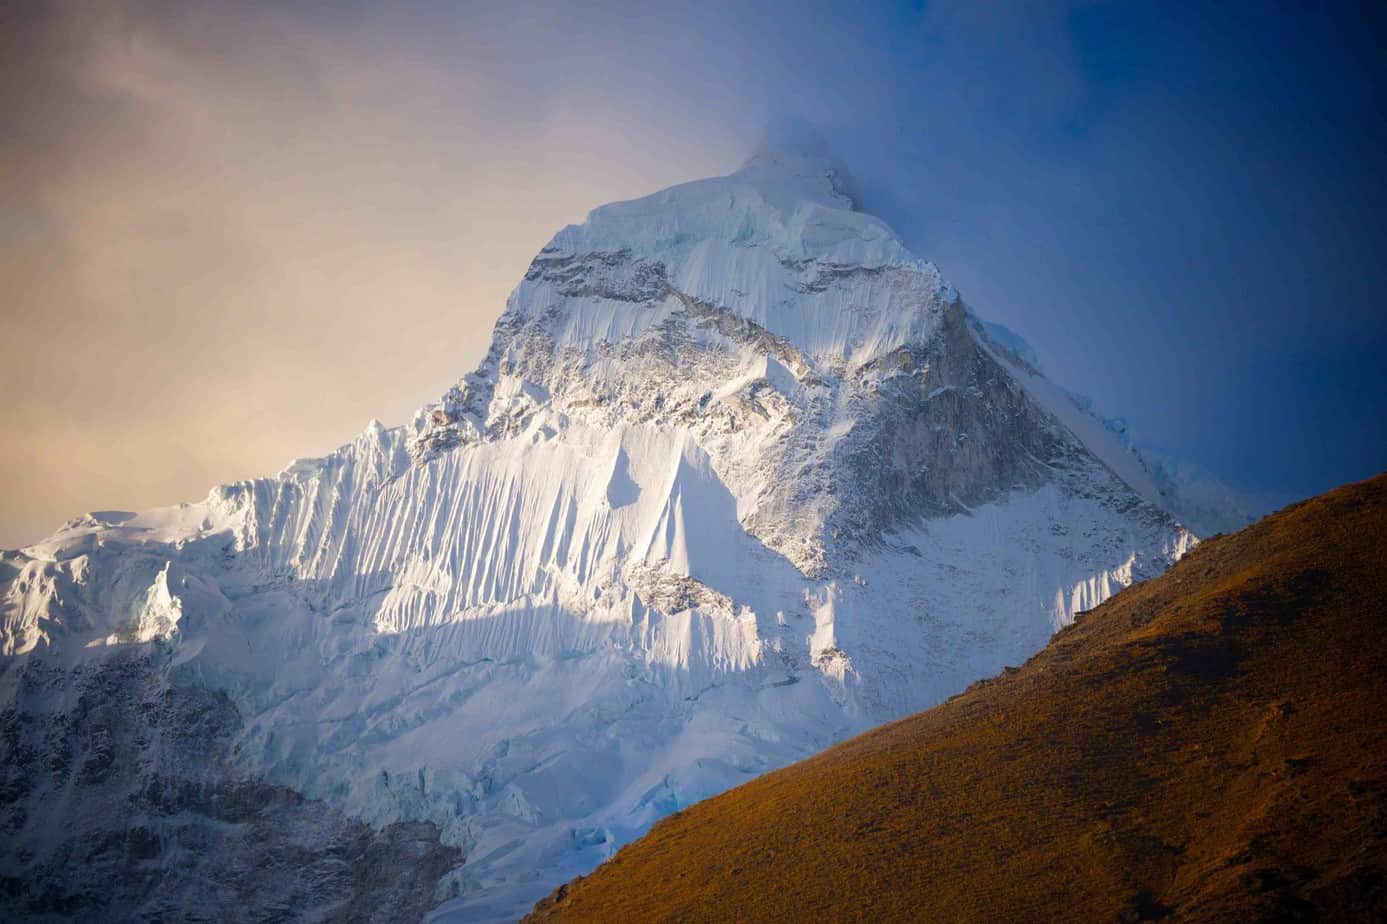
(231, 234)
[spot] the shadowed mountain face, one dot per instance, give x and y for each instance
(1208, 745)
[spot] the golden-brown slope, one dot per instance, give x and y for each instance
(1211, 744)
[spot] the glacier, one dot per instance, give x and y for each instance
(739, 476)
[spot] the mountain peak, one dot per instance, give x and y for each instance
(818, 174)
(778, 243)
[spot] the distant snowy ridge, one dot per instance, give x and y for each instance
(1194, 495)
(739, 476)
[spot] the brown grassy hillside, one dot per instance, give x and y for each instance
(1209, 745)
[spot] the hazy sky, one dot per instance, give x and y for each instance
(231, 234)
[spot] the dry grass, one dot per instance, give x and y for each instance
(1209, 745)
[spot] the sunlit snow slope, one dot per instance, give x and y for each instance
(740, 476)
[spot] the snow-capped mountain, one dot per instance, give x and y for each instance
(739, 476)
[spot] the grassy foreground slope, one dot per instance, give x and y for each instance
(1208, 745)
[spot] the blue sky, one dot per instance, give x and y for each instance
(1182, 207)
(233, 232)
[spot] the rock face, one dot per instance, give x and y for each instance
(137, 817)
(738, 477)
